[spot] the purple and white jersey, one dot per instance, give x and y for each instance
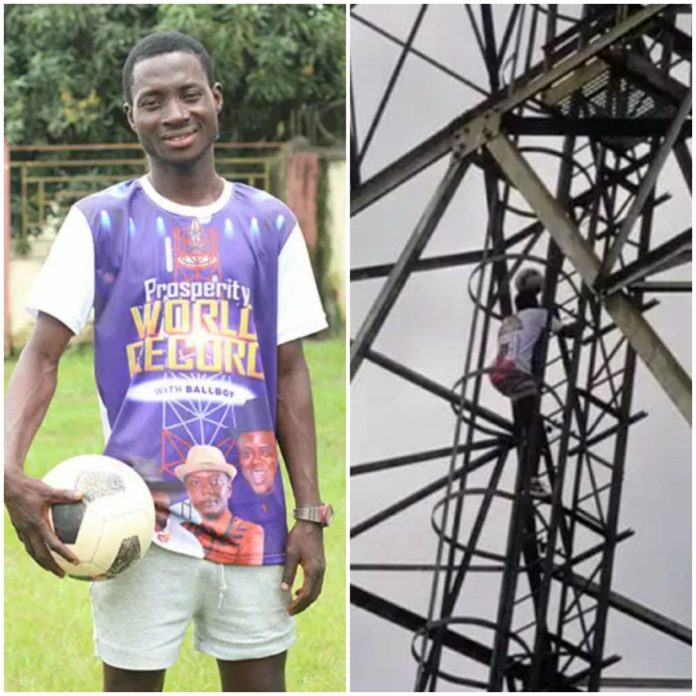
(190, 304)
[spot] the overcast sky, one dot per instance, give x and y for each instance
(428, 331)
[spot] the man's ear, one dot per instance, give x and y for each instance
(217, 96)
(129, 115)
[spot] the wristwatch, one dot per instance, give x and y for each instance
(321, 514)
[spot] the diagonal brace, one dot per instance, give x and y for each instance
(411, 253)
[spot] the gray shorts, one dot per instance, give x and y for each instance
(238, 612)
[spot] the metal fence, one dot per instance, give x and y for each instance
(47, 179)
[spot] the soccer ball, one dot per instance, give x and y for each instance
(111, 528)
(529, 280)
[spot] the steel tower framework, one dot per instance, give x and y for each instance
(608, 85)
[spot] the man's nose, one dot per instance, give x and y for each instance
(176, 111)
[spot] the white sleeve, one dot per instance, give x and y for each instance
(64, 287)
(299, 306)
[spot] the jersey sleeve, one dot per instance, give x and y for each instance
(299, 306)
(64, 287)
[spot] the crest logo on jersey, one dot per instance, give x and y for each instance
(196, 253)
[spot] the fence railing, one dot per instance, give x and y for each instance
(47, 179)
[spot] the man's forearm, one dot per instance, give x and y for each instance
(295, 426)
(31, 388)
(29, 395)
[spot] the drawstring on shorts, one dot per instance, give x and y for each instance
(222, 585)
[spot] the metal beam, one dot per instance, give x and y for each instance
(646, 683)
(428, 455)
(662, 286)
(430, 264)
(659, 259)
(439, 144)
(654, 353)
(411, 253)
(646, 74)
(424, 492)
(414, 622)
(438, 390)
(595, 126)
(633, 609)
(391, 84)
(683, 157)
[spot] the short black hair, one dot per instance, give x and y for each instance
(526, 299)
(159, 43)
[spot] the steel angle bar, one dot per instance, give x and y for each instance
(415, 622)
(648, 345)
(421, 55)
(673, 252)
(414, 247)
(420, 567)
(391, 84)
(432, 263)
(647, 185)
(646, 74)
(440, 143)
(683, 157)
(634, 609)
(586, 673)
(646, 683)
(669, 35)
(595, 126)
(355, 177)
(424, 492)
(438, 390)
(428, 455)
(662, 286)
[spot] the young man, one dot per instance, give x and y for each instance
(202, 290)
(511, 373)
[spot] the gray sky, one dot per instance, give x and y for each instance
(428, 330)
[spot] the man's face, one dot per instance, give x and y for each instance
(258, 459)
(174, 111)
(209, 492)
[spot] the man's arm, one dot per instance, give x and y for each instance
(29, 394)
(298, 443)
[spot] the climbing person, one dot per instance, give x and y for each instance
(511, 373)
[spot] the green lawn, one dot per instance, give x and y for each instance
(48, 643)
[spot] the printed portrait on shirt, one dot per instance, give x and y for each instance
(257, 452)
(224, 536)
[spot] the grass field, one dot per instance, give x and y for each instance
(48, 642)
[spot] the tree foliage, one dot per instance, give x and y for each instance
(63, 66)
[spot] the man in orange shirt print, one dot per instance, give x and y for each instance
(225, 538)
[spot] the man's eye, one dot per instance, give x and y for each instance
(192, 96)
(149, 104)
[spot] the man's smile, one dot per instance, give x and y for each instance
(180, 139)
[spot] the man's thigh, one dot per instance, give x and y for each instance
(126, 680)
(245, 617)
(141, 616)
(263, 674)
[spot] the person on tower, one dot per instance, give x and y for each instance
(511, 373)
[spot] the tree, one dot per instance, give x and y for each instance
(63, 66)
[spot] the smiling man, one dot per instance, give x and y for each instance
(259, 460)
(170, 367)
(225, 538)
